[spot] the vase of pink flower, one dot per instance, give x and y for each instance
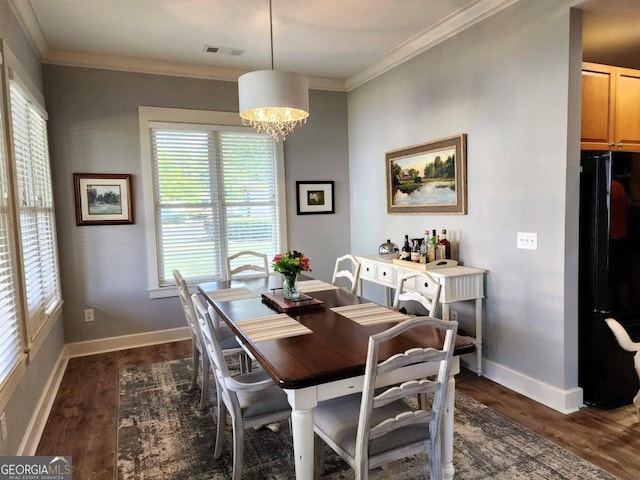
(290, 265)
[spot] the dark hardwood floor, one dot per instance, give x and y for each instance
(83, 419)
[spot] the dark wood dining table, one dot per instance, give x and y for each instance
(325, 362)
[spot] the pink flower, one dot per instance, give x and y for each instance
(291, 263)
(304, 263)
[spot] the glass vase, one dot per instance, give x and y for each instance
(290, 287)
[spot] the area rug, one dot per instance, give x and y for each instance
(163, 435)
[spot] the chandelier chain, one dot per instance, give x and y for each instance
(271, 31)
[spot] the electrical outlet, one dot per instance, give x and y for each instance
(528, 241)
(453, 315)
(88, 315)
(3, 426)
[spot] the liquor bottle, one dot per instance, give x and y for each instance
(446, 243)
(405, 253)
(415, 252)
(433, 241)
(424, 248)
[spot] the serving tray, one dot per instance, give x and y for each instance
(426, 266)
(276, 301)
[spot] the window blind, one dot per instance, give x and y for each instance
(36, 210)
(215, 195)
(10, 332)
(250, 193)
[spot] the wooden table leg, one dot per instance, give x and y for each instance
(479, 315)
(446, 432)
(302, 403)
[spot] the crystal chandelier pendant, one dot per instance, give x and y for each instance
(273, 101)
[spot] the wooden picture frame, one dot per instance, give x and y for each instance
(314, 198)
(428, 178)
(103, 198)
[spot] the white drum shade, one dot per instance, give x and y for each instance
(273, 101)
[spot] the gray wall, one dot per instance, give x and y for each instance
(505, 82)
(23, 403)
(93, 125)
(319, 151)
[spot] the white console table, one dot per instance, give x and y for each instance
(457, 284)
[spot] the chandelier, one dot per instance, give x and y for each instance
(273, 101)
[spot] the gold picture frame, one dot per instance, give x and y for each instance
(428, 178)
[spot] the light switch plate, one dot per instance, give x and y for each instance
(527, 240)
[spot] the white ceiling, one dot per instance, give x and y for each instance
(338, 43)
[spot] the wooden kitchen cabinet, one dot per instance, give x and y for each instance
(610, 108)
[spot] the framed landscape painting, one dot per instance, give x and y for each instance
(103, 198)
(428, 178)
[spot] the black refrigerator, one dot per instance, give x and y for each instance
(609, 274)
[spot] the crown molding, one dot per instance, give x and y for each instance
(447, 28)
(160, 67)
(140, 65)
(30, 24)
(422, 42)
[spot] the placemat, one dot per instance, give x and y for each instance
(307, 286)
(272, 327)
(227, 294)
(370, 314)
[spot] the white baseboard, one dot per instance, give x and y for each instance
(564, 401)
(40, 415)
(103, 345)
(38, 421)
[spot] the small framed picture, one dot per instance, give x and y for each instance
(103, 198)
(315, 198)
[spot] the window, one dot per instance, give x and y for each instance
(216, 192)
(11, 349)
(36, 210)
(30, 299)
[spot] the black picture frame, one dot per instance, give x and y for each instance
(315, 197)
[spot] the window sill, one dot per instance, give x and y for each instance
(12, 382)
(163, 292)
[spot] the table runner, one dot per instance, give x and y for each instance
(370, 314)
(307, 286)
(272, 327)
(236, 293)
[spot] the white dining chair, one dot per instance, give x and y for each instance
(230, 345)
(255, 263)
(348, 267)
(200, 362)
(380, 425)
(419, 287)
(252, 399)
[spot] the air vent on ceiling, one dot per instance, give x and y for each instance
(223, 50)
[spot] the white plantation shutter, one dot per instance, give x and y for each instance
(10, 332)
(36, 210)
(215, 195)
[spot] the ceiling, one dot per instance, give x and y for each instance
(339, 44)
